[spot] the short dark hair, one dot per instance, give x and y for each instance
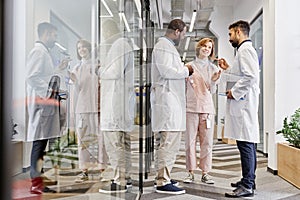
(45, 26)
(176, 24)
(242, 25)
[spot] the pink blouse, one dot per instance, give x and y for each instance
(200, 87)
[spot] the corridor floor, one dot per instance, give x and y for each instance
(226, 169)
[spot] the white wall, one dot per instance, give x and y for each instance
(247, 10)
(282, 69)
(19, 43)
(221, 18)
(224, 15)
(21, 24)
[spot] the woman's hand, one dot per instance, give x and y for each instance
(216, 76)
(223, 64)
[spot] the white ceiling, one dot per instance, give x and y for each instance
(78, 14)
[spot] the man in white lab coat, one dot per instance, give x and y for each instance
(241, 121)
(43, 109)
(168, 102)
(117, 103)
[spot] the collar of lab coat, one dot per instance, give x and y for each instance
(169, 40)
(242, 43)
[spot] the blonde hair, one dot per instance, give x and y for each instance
(201, 43)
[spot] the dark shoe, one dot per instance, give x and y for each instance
(129, 183)
(237, 184)
(169, 189)
(113, 188)
(241, 191)
(48, 190)
(175, 183)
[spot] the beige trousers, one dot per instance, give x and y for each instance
(91, 150)
(118, 148)
(196, 128)
(167, 151)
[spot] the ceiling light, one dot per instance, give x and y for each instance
(123, 17)
(107, 8)
(184, 56)
(138, 6)
(193, 21)
(187, 43)
(61, 47)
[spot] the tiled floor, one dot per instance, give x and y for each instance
(226, 169)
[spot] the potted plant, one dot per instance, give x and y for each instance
(288, 154)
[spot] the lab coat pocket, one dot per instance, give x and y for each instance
(237, 107)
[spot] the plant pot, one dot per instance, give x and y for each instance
(288, 163)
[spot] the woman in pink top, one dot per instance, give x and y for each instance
(86, 85)
(200, 110)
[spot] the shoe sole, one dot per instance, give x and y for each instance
(35, 192)
(188, 181)
(234, 196)
(211, 183)
(112, 192)
(170, 192)
(81, 181)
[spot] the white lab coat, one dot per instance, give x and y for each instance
(43, 119)
(117, 87)
(168, 101)
(241, 121)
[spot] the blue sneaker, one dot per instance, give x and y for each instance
(175, 183)
(169, 189)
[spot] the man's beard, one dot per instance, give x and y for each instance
(234, 43)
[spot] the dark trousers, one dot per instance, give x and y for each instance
(248, 162)
(37, 153)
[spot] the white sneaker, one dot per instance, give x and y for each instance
(189, 178)
(82, 177)
(207, 179)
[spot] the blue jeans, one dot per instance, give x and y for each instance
(248, 162)
(37, 153)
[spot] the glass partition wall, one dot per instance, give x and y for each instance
(81, 90)
(80, 78)
(86, 97)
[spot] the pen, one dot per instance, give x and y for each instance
(224, 94)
